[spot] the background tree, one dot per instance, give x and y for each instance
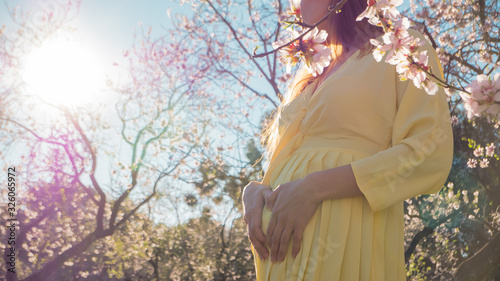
(67, 206)
(449, 230)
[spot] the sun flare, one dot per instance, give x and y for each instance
(64, 72)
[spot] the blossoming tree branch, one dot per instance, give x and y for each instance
(481, 97)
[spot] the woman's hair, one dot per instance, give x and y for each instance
(344, 32)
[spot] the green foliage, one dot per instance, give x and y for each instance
(463, 215)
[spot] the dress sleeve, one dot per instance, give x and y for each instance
(421, 155)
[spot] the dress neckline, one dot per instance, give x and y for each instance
(312, 90)
(317, 88)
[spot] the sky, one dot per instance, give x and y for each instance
(109, 24)
(105, 28)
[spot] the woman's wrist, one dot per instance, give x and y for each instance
(333, 183)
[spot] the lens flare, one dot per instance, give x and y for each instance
(64, 72)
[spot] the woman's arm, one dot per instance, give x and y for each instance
(334, 183)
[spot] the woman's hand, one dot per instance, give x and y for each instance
(292, 204)
(254, 195)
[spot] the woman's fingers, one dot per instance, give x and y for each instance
(278, 230)
(256, 235)
(256, 231)
(276, 241)
(283, 244)
(278, 238)
(258, 243)
(297, 240)
(270, 200)
(270, 229)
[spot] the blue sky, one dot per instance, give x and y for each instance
(112, 23)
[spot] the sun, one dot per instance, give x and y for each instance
(64, 71)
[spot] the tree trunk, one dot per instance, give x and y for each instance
(480, 265)
(426, 231)
(57, 262)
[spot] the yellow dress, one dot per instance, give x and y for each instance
(399, 142)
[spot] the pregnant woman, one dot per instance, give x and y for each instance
(345, 149)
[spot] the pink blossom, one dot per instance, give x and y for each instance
(472, 163)
(311, 50)
(478, 151)
(387, 8)
(484, 163)
(469, 104)
(415, 71)
(289, 53)
(401, 46)
(295, 10)
(397, 41)
(412, 70)
(379, 52)
(319, 52)
(430, 87)
(490, 150)
(484, 96)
